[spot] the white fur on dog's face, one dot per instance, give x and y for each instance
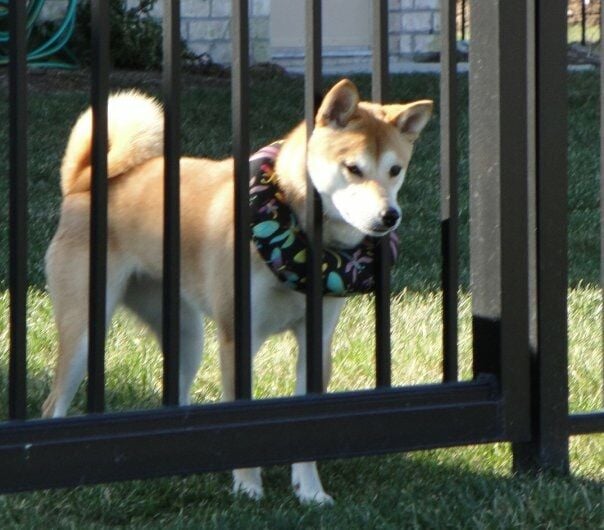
(360, 199)
(358, 156)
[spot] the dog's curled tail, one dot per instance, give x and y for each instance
(135, 134)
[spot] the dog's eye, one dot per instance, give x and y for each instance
(354, 169)
(395, 171)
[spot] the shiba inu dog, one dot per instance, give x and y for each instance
(357, 158)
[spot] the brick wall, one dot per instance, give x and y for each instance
(413, 28)
(206, 26)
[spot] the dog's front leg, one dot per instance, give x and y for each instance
(305, 476)
(247, 481)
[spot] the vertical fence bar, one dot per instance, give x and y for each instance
(532, 176)
(498, 204)
(379, 93)
(17, 392)
(98, 215)
(314, 288)
(380, 68)
(171, 248)
(448, 187)
(583, 22)
(240, 115)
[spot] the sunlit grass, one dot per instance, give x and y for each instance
(592, 34)
(445, 488)
(134, 366)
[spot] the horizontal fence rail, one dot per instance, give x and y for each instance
(586, 423)
(87, 450)
(516, 150)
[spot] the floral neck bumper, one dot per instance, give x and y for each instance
(282, 244)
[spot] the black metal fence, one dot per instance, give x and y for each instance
(519, 392)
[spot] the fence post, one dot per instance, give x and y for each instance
(548, 448)
(498, 204)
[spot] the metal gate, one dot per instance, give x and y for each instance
(519, 392)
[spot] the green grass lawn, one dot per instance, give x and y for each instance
(592, 33)
(469, 487)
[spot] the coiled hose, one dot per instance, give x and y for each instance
(51, 46)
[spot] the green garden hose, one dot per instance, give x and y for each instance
(52, 45)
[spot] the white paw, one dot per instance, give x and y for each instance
(317, 498)
(252, 490)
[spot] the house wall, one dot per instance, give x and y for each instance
(414, 26)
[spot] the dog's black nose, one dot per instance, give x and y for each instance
(390, 216)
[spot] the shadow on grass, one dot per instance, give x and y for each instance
(398, 491)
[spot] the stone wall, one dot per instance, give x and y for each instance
(414, 26)
(206, 26)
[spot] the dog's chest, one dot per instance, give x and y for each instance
(275, 306)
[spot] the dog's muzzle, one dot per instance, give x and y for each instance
(390, 217)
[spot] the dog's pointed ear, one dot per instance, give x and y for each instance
(339, 105)
(410, 119)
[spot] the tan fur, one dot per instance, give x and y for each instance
(346, 133)
(135, 126)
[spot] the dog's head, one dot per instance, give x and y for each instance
(358, 156)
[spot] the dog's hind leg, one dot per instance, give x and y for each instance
(143, 297)
(191, 349)
(67, 276)
(305, 475)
